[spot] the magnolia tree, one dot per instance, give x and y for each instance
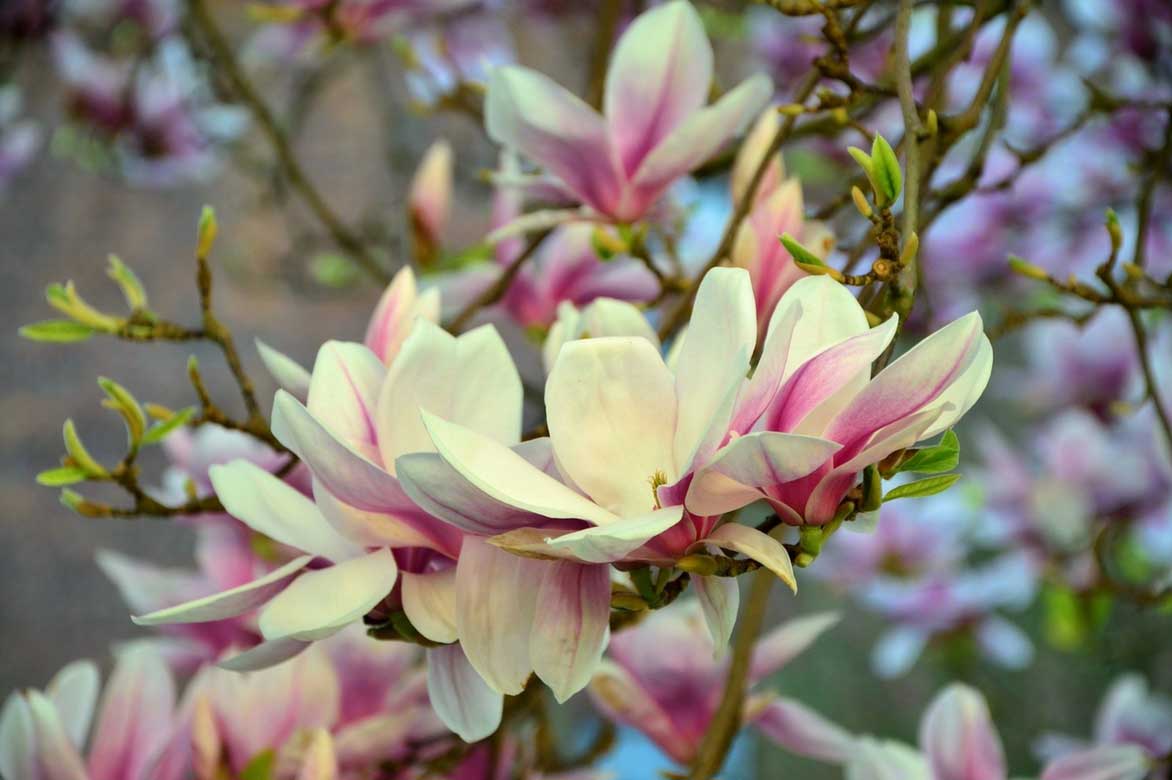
(641, 371)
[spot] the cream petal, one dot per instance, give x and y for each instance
(460, 696)
(289, 375)
(430, 603)
(614, 541)
(571, 625)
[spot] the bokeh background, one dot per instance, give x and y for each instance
(359, 145)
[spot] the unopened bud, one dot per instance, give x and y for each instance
(120, 400)
(704, 565)
(861, 202)
(132, 289)
(1113, 230)
(910, 248)
(78, 453)
(606, 244)
(65, 299)
(933, 123)
(206, 233)
(1025, 268)
(791, 109)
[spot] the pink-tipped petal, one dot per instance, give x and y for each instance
(741, 471)
(393, 317)
(343, 391)
(404, 525)
(700, 136)
(430, 198)
(571, 625)
(830, 315)
(460, 696)
(750, 155)
(322, 602)
(228, 603)
(787, 641)
(801, 731)
(659, 76)
(496, 595)
(135, 718)
(529, 112)
(621, 698)
(959, 739)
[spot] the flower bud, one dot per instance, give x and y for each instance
(206, 233)
(429, 202)
(79, 454)
(120, 400)
(128, 281)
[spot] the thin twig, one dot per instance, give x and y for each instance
(495, 292)
(342, 235)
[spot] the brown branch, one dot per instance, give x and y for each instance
(498, 288)
(342, 235)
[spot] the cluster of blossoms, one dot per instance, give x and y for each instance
(543, 440)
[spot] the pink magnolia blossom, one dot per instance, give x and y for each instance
(813, 384)
(958, 741)
(777, 210)
(429, 202)
(662, 679)
(43, 733)
(1133, 730)
(654, 127)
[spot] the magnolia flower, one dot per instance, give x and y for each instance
(654, 127)
(1133, 730)
(599, 318)
(777, 210)
(662, 679)
(958, 741)
(363, 699)
(813, 389)
(43, 733)
(399, 307)
(625, 432)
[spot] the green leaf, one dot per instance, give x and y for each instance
(156, 433)
(888, 180)
(944, 456)
(260, 767)
(57, 331)
(864, 161)
(924, 487)
(59, 477)
(799, 253)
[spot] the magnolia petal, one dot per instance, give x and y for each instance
(719, 344)
(1104, 762)
(469, 380)
(659, 75)
(136, 716)
(507, 477)
(319, 762)
(958, 737)
(527, 111)
(701, 135)
(321, 602)
(801, 731)
(621, 698)
(830, 314)
(407, 525)
(751, 154)
(430, 603)
(18, 741)
(344, 389)
(896, 651)
(56, 757)
(459, 695)
(429, 198)
(611, 410)
(264, 655)
(438, 488)
(532, 542)
(270, 506)
(720, 598)
(881, 760)
(739, 472)
(74, 692)
(920, 380)
(393, 316)
(344, 470)
(571, 625)
(762, 548)
(289, 375)
(228, 603)
(496, 595)
(787, 641)
(768, 375)
(818, 390)
(614, 541)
